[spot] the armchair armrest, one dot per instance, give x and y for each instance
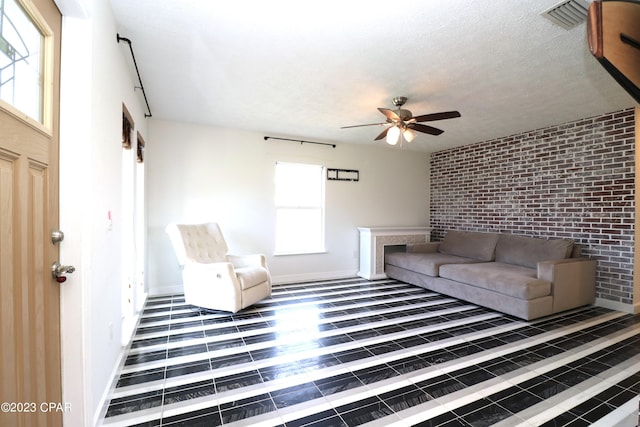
(254, 260)
(424, 248)
(573, 281)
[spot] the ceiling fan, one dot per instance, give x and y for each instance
(401, 124)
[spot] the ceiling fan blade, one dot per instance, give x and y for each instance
(437, 116)
(426, 129)
(382, 135)
(390, 114)
(359, 126)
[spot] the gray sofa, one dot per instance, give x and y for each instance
(522, 276)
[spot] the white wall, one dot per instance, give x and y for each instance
(198, 173)
(96, 80)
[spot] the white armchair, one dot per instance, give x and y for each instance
(211, 278)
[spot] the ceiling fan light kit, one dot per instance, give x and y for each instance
(393, 135)
(409, 135)
(402, 125)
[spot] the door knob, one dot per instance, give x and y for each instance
(59, 271)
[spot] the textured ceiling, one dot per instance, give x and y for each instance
(303, 69)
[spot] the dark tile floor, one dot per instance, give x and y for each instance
(381, 353)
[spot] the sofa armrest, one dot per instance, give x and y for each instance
(424, 248)
(573, 281)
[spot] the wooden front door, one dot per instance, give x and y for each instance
(30, 367)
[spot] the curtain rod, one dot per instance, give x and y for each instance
(299, 140)
(135, 64)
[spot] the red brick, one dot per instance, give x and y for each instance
(575, 180)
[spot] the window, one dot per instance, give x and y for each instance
(299, 208)
(21, 70)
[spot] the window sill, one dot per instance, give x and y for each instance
(310, 252)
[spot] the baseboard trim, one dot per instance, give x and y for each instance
(276, 280)
(618, 306)
(102, 408)
(166, 290)
(308, 277)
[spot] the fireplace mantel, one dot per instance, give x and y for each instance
(373, 241)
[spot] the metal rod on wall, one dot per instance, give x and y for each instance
(135, 64)
(300, 141)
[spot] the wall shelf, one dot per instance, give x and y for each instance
(343, 175)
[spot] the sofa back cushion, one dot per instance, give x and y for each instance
(528, 251)
(469, 244)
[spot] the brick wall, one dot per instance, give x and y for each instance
(574, 180)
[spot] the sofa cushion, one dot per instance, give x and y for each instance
(469, 244)
(508, 279)
(528, 251)
(424, 263)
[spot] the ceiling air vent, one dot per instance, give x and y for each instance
(568, 14)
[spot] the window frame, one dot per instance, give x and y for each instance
(44, 123)
(320, 207)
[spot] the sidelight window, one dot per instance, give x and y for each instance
(21, 60)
